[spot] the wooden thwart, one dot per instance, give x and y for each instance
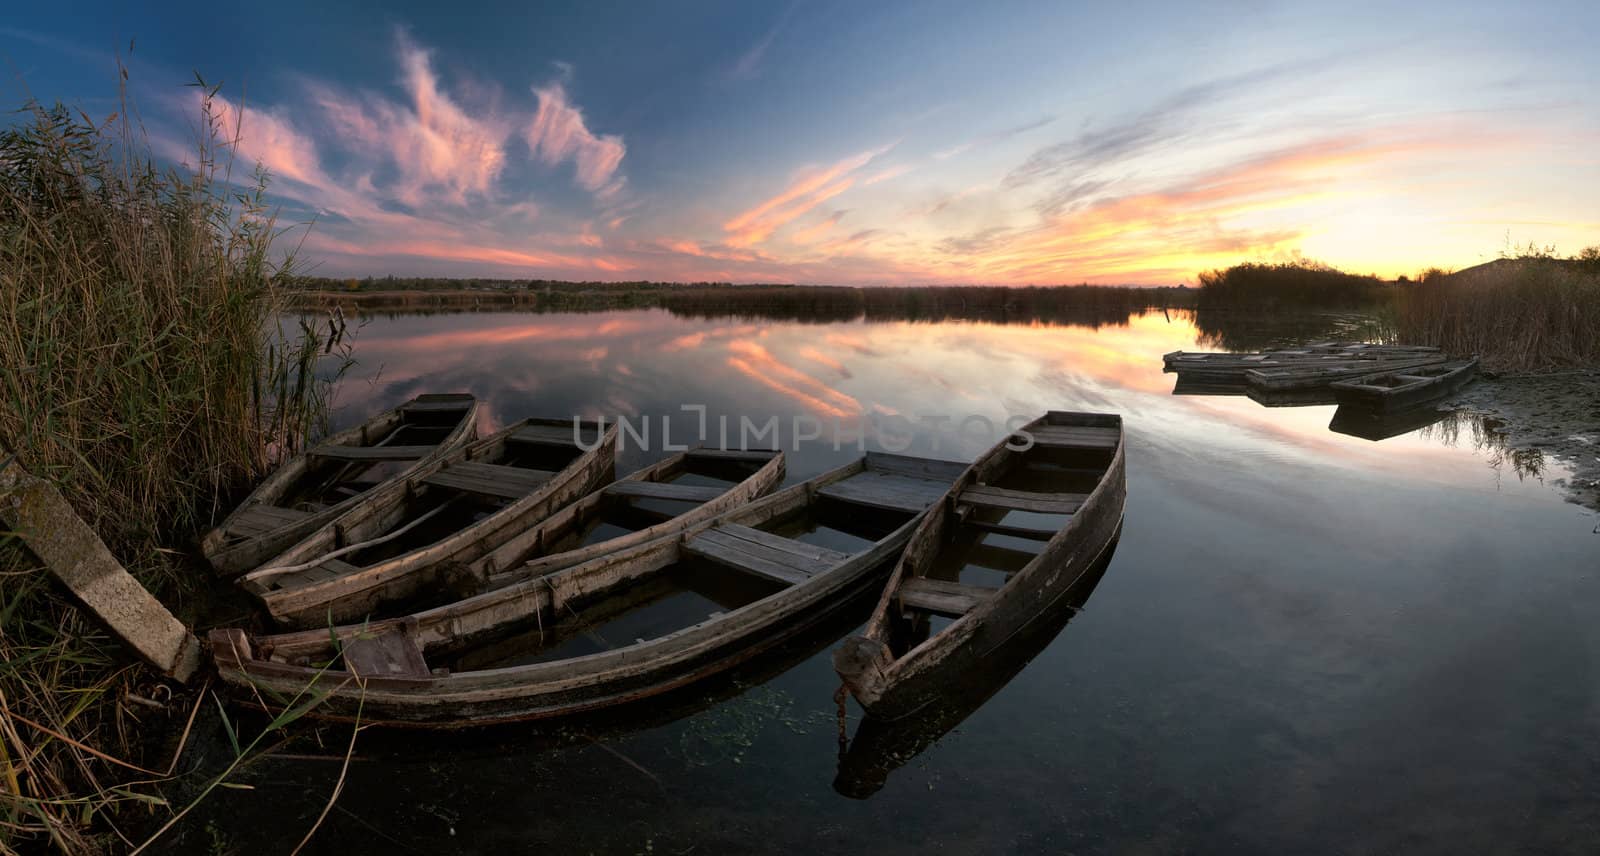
(784, 565)
(372, 453)
(390, 654)
(1022, 500)
(257, 519)
(664, 490)
(1014, 531)
(495, 480)
(752, 455)
(884, 490)
(551, 435)
(1076, 437)
(942, 597)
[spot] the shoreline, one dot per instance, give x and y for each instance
(1553, 416)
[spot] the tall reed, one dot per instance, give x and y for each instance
(1518, 314)
(145, 375)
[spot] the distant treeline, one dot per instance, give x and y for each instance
(1288, 284)
(1078, 304)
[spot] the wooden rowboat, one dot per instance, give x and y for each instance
(327, 480)
(1407, 389)
(900, 663)
(880, 747)
(1311, 376)
(655, 501)
(750, 580)
(418, 536)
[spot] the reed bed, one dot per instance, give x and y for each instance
(147, 377)
(1518, 314)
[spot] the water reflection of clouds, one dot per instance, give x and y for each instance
(850, 376)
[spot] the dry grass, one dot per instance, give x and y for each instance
(146, 378)
(1519, 315)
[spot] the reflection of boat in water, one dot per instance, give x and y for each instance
(1363, 423)
(1291, 397)
(1405, 390)
(900, 662)
(1188, 384)
(880, 747)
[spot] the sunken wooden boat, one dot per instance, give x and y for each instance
(1406, 389)
(666, 497)
(417, 538)
(902, 662)
(1311, 376)
(326, 480)
(695, 604)
(879, 747)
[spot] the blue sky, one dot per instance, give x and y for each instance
(870, 143)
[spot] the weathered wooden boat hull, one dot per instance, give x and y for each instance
(232, 552)
(280, 665)
(880, 747)
(890, 685)
(344, 592)
(529, 555)
(1393, 392)
(1311, 377)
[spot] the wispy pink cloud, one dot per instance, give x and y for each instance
(558, 133)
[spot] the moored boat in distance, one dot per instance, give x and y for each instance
(1395, 391)
(417, 536)
(901, 662)
(557, 644)
(325, 481)
(1311, 376)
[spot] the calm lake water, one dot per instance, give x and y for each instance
(1305, 642)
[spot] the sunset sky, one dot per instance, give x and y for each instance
(866, 143)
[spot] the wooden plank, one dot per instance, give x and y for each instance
(1006, 560)
(436, 406)
(913, 467)
(788, 545)
(372, 453)
(665, 490)
(1022, 500)
(1028, 532)
(753, 558)
(37, 514)
(755, 455)
(1075, 437)
(882, 490)
(552, 435)
(390, 654)
(490, 479)
(942, 597)
(259, 519)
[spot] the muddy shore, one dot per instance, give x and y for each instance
(1545, 417)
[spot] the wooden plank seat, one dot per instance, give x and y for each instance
(1075, 437)
(496, 480)
(751, 455)
(258, 519)
(325, 570)
(635, 489)
(390, 654)
(763, 554)
(372, 453)
(887, 490)
(552, 435)
(1013, 530)
(942, 597)
(446, 406)
(1022, 500)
